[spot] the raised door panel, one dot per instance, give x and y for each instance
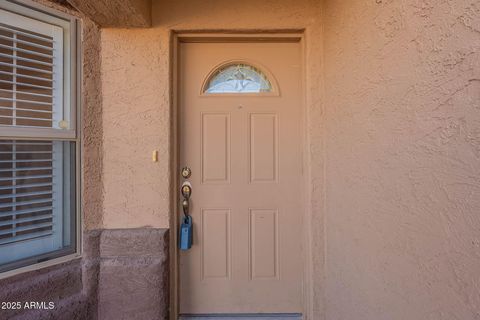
(263, 148)
(215, 141)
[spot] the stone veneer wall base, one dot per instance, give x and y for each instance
(133, 279)
(123, 274)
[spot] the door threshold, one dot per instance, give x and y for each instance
(244, 316)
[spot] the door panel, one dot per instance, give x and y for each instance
(244, 151)
(262, 147)
(263, 243)
(215, 147)
(215, 243)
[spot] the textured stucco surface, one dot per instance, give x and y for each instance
(56, 284)
(402, 86)
(135, 122)
(133, 279)
(123, 274)
(116, 13)
(71, 286)
(92, 132)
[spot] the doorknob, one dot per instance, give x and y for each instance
(186, 193)
(186, 190)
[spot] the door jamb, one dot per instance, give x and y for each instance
(177, 37)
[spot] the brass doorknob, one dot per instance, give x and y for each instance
(186, 191)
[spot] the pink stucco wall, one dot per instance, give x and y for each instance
(402, 99)
(392, 144)
(136, 121)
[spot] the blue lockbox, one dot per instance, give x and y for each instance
(186, 233)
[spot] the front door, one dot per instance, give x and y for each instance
(240, 134)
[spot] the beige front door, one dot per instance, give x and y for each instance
(240, 133)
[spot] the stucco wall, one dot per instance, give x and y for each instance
(135, 122)
(133, 275)
(402, 84)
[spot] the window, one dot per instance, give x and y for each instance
(237, 78)
(38, 136)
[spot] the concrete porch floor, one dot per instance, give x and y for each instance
(243, 316)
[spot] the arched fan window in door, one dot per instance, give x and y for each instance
(237, 77)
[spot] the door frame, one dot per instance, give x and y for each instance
(176, 38)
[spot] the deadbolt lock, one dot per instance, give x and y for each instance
(186, 172)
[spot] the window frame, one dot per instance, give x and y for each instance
(72, 68)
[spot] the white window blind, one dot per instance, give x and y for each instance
(37, 170)
(31, 93)
(29, 180)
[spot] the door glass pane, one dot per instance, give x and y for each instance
(238, 78)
